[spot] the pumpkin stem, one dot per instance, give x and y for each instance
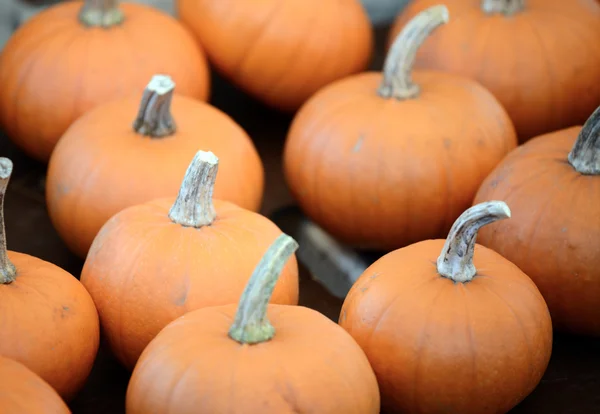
(8, 272)
(397, 79)
(194, 206)
(251, 325)
(505, 7)
(154, 117)
(456, 260)
(101, 13)
(585, 154)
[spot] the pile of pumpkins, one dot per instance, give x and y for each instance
(456, 159)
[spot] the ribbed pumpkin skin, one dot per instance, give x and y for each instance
(143, 271)
(541, 63)
(281, 51)
(554, 232)
(101, 165)
(310, 366)
(383, 173)
(438, 346)
(49, 324)
(53, 69)
(23, 392)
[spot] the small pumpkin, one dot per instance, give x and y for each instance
(153, 262)
(48, 320)
(23, 392)
(74, 56)
(536, 56)
(463, 332)
(381, 161)
(102, 164)
(281, 51)
(258, 358)
(553, 185)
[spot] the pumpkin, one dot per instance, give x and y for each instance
(383, 12)
(463, 332)
(281, 51)
(553, 185)
(49, 322)
(103, 164)
(23, 392)
(380, 161)
(153, 262)
(535, 56)
(261, 358)
(74, 56)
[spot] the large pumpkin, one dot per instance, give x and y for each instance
(553, 186)
(153, 262)
(461, 331)
(538, 57)
(48, 321)
(103, 164)
(73, 56)
(381, 161)
(261, 358)
(281, 51)
(23, 392)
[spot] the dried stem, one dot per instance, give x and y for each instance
(8, 272)
(456, 260)
(101, 13)
(505, 7)
(585, 154)
(251, 325)
(194, 206)
(397, 71)
(154, 117)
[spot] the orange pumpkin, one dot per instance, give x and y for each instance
(103, 165)
(465, 332)
(49, 322)
(536, 56)
(268, 359)
(553, 185)
(72, 57)
(380, 161)
(23, 392)
(281, 51)
(153, 262)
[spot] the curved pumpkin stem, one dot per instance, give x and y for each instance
(456, 260)
(397, 71)
(154, 117)
(585, 155)
(194, 206)
(101, 13)
(8, 272)
(251, 325)
(505, 7)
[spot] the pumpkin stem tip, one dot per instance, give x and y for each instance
(456, 260)
(397, 71)
(585, 154)
(101, 13)
(194, 205)
(251, 325)
(505, 7)
(154, 117)
(8, 272)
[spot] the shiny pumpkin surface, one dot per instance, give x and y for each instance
(541, 63)
(383, 173)
(310, 366)
(554, 234)
(281, 51)
(438, 346)
(101, 165)
(49, 324)
(54, 69)
(143, 270)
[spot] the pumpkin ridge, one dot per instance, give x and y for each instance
(471, 336)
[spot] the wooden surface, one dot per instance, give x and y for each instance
(571, 384)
